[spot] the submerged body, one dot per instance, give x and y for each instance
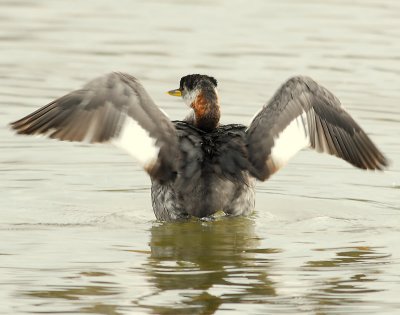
(197, 166)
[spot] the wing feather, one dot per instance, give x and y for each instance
(113, 108)
(303, 114)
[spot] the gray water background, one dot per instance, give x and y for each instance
(77, 232)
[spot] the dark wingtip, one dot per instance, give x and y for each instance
(22, 126)
(17, 126)
(384, 163)
(373, 161)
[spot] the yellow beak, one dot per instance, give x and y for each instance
(176, 92)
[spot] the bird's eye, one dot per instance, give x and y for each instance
(189, 86)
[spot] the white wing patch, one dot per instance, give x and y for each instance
(137, 142)
(292, 139)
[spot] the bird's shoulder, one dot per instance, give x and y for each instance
(220, 135)
(222, 152)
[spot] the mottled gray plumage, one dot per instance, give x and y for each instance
(331, 129)
(213, 174)
(97, 112)
(197, 170)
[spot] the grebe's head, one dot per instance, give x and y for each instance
(199, 92)
(193, 85)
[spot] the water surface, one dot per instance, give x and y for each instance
(76, 225)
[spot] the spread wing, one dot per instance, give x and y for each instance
(304, 114)
(112, 108)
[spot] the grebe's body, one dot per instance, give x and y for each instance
(197, 166)
(213, 174)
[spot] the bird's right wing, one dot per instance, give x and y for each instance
(303, 114)
(113, 108)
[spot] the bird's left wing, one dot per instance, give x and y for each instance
(112, 108)
(302, 114)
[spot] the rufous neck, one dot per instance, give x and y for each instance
(206, 110)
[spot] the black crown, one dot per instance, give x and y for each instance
(192, 80)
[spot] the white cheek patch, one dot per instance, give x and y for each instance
(137, 142)
(190, 97)
(291, 140)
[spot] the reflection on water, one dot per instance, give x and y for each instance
(90, 292)
(191, 267)
(346, 256)
(73, 293)
(362, 266)
(203, 265)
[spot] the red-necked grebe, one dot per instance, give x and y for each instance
(198, 166)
